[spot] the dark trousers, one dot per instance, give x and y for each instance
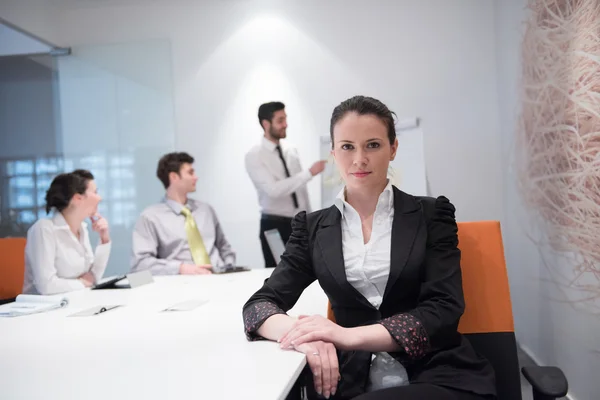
(283, 225)
(417, 391)
(420, 391)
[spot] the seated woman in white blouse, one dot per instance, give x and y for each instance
(58, 254)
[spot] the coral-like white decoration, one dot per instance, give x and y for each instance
(558, 153)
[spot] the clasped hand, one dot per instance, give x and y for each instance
(318, 338)
(312, 328)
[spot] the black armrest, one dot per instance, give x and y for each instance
(548, 382)
(6, 301)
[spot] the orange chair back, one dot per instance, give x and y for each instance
(485, 281)
(12, 267)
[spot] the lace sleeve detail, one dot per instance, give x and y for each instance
(255, 315)
(409, 333)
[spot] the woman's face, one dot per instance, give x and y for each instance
(88, 202)
(362, 151)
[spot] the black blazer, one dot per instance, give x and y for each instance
(422, 303)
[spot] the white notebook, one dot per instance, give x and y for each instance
(26, 304)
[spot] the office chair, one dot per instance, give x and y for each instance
(12, 268)
(488, 321)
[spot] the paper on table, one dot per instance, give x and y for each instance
(187, 305)
(26, 304)
(97, 310)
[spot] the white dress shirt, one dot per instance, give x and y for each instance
(55, 258)
(368, 265)
(273, 186)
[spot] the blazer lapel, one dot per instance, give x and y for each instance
(329, 240)
(405, 226)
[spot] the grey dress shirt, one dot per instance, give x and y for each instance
(160, 243)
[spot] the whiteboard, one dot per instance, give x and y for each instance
(408, 171)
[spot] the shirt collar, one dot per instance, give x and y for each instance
(385, 203)
(176, 207)
(60, 222)
(267, 144)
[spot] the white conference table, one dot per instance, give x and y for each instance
(140, 352)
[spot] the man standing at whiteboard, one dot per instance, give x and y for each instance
(278, 177)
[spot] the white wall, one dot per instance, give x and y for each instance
(433, 60)
(554, 332)
(38, 17)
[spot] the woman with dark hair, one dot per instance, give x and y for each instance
(58, 254)
(390, 266)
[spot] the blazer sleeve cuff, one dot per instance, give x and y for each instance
(408, 332)
(255, 315)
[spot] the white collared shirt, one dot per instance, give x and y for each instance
(273, 186)
(368, 265)
(55, 258)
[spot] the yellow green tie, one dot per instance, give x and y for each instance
(197, 248)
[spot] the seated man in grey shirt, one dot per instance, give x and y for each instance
(179, 235)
